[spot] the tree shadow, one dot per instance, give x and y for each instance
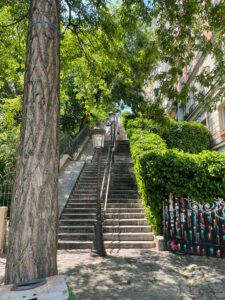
(145, 275)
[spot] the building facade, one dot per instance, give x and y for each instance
(192, 111)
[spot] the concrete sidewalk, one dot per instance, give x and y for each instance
(140, 275)
(143, 275)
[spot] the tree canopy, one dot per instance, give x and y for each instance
(185, 29)
(110, 51)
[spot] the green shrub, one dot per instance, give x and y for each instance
(8, 150)
(190, 137)
(139, 123)
(160, 172)
(142, 142)
(126, 116)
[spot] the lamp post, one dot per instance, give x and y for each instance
(112, 128)
(98, 135)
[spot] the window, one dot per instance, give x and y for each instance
(223, 117)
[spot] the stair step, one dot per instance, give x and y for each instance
(77, 222)
(134, 236)
(77, 229)
(112, 229)
(124, 215)
(83, 197)
(85, 200)
(124, 210)
(109, 222)
(81, 205)
(109, 210)
(127, 177)
(125, 236)
(79, 210)
(122, 180)
(122, 183)
(88, 185)
(108, 245)
(88, 179)
(124, 205)
(86, 190)
(91, 173)
(108, 215)
(123, 167)
(124, 200)
(127, 228)
(123, 222)
(124, 225)
(75, 236)
(127, 192)
(123, 196)
(78, 216)
(124, 171)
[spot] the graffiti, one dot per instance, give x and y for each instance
(194, 228)
(218, 207)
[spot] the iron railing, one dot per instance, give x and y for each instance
(108, 168)
(6, 186)
(105, 172)
(108, 179)
(69, 145)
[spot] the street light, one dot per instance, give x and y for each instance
(112, 128)
(98, 136)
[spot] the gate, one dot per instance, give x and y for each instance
(194, 228)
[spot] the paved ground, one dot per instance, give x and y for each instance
(141, 275)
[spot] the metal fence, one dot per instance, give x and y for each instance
(194, 228)
(69, 145)
(6, 185)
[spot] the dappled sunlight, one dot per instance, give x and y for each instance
(139, 274)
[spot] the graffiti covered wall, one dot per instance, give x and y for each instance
(194, 228)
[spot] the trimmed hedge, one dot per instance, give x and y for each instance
(143, 124)
(126, 116)
(190, 137)
(142, 142)
(160, 171)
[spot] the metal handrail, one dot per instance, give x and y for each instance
(105, 171)
(108, 181)
(69, 145)
(109, 167)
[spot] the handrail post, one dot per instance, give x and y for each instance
(98, 243)
(104, 176)
(112, 146)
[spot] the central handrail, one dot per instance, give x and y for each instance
(108, 167)
(105, 171)
(108, 181)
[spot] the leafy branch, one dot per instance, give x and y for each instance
(23, 17)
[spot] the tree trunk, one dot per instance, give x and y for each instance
(32, 247)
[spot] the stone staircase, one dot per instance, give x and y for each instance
(124, 224)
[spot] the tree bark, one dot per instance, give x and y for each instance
(32, 246)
